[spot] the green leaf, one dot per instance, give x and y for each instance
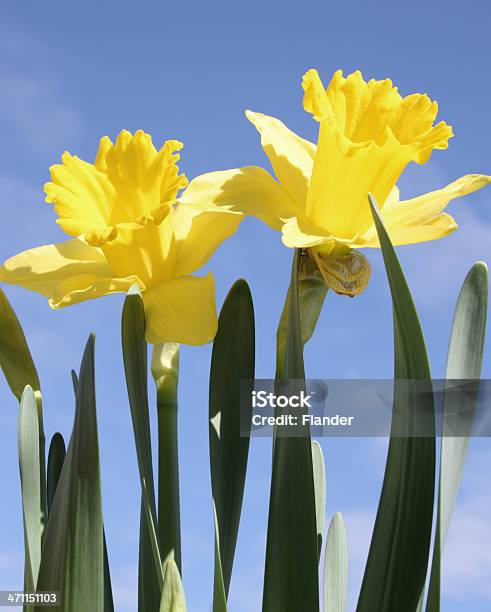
(135, 366)
(173, 599)
(108, 590)
(219, 594)
(291, 575)
(31, 486)
(464, 362)
(232, 362)
(56, 457)
(57, 450)
(319, 470)
(72, 557)
(399, 551)
(336, 566)
(312, 291)
(149, 588)
(165, 371)
(20, 372)
(15, 356)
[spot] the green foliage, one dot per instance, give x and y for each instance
(336, 566)
(319, 471)
(15, 356)
(173, 599)
(165, 371)
(151, 575)
(398, 557)
(219, 594)
(72, 556)
(312, 292)
(232, 362)
(20, 372)
(30, 486)
(464, 362)
(56, 457)
(291, 580)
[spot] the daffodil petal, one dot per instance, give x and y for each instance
(422, 218)
(44, 268)
(315, 98)
(198, 233)
(249, 190)
(437, 228)
(301, 234)
(423, 208)
(82, 287)
(81, 194)
(148, 252)
(292, 157)
(181, 310)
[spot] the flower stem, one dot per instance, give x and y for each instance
(291, 575)
(165, 370)
(312, 292)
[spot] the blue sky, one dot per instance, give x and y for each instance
(69, 75)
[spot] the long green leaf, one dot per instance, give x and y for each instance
(149, 589)
(15, 356)
(464, 362)
(312, 291)
(173, 599)
(319, 470)
(56, 457)
(399, 551)
(232, 362)
(336, 566)
(108, 590)
(219, 594)
(151, 575)
(19, 370)
(165, 371)
(291, 576)
(30, 485)
(72, 557)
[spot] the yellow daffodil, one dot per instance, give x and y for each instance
(368, 133)
(126, 228)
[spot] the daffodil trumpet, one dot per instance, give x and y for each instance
(126, 227)
(367, 134)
